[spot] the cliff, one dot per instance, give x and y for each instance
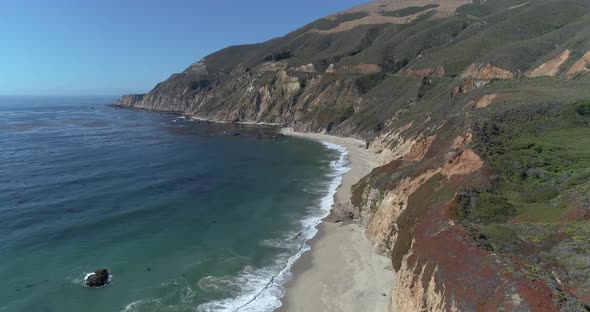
(479, 112)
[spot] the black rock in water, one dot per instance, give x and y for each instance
(98, 278)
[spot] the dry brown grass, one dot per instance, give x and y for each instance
(445, 8)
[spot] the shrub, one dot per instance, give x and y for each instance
(583, 108)
(278, 56)
(368, 82)
(538, 192)
(483, 208)
(491, 208)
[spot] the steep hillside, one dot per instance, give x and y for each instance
(480, 112)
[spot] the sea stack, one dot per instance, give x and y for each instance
(98, 278)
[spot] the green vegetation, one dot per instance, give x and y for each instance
(541, 152)
(539, 158)
(278, 56)
(368, 82)
(501, 237)
(512, 39)
(484, 208)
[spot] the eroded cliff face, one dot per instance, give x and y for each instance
(419, 209)
(265, 94)
(439, 264)
(439, 90)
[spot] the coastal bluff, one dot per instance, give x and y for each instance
(477, 112)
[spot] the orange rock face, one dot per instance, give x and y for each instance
(485, 100)
(486, 72)
(551, 67)
(581, 66)
(462, 163)
(419, 149)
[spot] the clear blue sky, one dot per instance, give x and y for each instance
(112, 47)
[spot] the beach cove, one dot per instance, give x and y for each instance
(342, 272)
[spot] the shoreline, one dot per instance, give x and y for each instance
(342, 271)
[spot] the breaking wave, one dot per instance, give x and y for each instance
(260, 289)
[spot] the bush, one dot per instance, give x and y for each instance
(583, 108)
(483, 207)
(278, 56)
(368, 82)
(538, 192)
(491, 208)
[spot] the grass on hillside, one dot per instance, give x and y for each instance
(539, 160)
(503, 33)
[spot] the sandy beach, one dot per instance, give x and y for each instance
(341, 272)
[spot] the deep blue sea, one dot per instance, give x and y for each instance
(187, 216)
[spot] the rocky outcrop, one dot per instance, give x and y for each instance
(392, 144)
(468, 85)
(436, 71)
(254, 96)
(485, 100)
(551, 67)
(419, 149)
(581, 66)
(309, 68)
(486, 72)
(97, 279)
(271, 67)
(342, 212)
(435, 260)
(130, 100)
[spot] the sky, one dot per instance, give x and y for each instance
(114, 47)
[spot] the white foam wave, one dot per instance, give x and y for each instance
(180, 288)
(137, 305)
(260, 290)
(317, 188)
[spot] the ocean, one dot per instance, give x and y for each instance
(186, 215)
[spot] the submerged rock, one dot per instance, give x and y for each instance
(98, 278)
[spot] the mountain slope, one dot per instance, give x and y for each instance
(479, 113)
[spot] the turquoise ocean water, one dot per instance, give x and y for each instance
(187, 216)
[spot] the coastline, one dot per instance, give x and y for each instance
(342, 271)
